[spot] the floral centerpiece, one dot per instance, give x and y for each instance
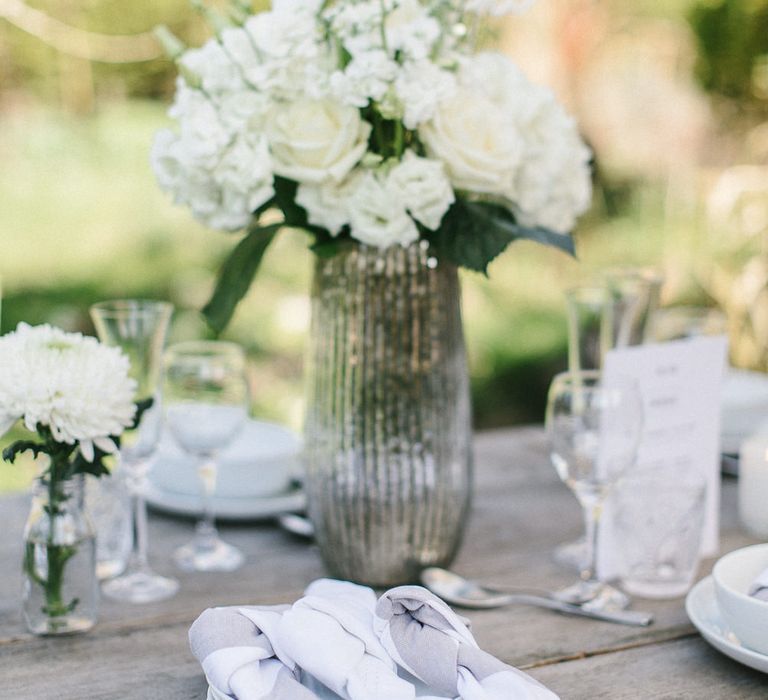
(376, 127)
(76, 396)
(371, 120)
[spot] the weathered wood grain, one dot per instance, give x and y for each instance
(521, 512)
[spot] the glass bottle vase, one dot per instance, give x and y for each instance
(60, 591)
(388, 427)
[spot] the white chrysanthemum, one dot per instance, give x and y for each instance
(378, 214)
(68, 382)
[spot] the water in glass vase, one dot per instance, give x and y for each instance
(60, 593)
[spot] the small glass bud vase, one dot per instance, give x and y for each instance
(60, 592)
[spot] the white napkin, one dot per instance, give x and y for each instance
(329, 634)
(759, 587)
(430, 641)
(339, 642)
(238, 658)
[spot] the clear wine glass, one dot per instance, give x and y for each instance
(594, 430)
(139, 327)
(611, 312)
(206, 406)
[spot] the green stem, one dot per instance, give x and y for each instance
(399, 137)
(57, 555)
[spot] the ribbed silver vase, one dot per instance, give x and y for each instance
(388, 428)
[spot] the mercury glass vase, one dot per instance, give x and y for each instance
(388, 426)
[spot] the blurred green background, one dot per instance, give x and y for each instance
(671, 94)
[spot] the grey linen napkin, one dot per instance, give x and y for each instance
(238, 658)
(426, 638)
(759, 588)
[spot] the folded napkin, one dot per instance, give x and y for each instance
(238, 659)
(425, 637)
(329, 634)
(339, 642)
(759, 587)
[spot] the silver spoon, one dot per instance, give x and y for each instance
(297, 525)
(464, 593)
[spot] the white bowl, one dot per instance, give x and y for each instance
(733, 575)
(260, 462)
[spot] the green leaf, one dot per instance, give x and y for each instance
(285, 198)
(474, 233)
(97, 467)
(13, 450)
(236, 275)
(141, 408)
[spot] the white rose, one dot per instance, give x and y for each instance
(327, 204)
(316, 140)
(473, 138)
(423, 187)
(551, 184)
(378, 216)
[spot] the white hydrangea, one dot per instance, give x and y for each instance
(367, 77)
(68, 382)
(213, 67)
(308, 91)
(424, 188)
(327, 203)
(498, 7)
(378, 214)
(410, 29)
(420, 86)
(223, 196)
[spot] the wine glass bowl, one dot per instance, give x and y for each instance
(206, 406)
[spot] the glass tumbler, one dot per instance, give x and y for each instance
(658, 524)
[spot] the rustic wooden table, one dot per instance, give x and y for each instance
(521, 512)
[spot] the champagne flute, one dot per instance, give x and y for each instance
(612, 312)
(139, 328)
(594, 430)
(207, 405)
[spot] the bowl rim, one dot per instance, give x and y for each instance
(723, 561)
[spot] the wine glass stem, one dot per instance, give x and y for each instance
(206, 528)
(592, 514)
(139, 561)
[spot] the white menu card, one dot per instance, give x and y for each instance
(680, 383)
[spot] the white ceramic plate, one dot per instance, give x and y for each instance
(246, 508)
(260, 462)
(744, 407)
(701, 606)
